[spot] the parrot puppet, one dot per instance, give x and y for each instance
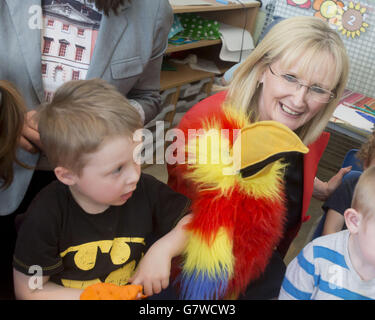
(238, 206)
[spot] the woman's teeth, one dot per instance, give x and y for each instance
(289, 111)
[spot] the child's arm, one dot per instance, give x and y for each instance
(49, 290)
(154, 269)
(334, 222)
(322, 190)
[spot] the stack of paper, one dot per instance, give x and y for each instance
(237, 43)
(350, 116)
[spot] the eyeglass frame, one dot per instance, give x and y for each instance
(332, 95)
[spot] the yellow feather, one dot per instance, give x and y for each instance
(237, 116)
(211, 258)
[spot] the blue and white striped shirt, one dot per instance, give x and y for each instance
(323, 271)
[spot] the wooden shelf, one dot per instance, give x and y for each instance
(215, 7)
(236, 15)
(197, 44)
(183, 75)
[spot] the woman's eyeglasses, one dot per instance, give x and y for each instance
(314, 92)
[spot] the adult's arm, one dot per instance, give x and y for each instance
(146, 91)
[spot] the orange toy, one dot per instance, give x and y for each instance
(109, 291)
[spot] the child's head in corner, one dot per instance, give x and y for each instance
(366, 154)
(87, 134)
(360, 221)
(12, 112)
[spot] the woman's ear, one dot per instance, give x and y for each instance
(353, 220)
(261, 78)
(66, 176)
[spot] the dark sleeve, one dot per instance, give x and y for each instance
(341, 198)
(37, 240)
(168, 206)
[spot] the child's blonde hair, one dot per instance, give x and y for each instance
(366, 154)
(80, 116)
(12, 112)
(363, 197)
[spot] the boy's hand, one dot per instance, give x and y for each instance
(153, 270)
(155, 267)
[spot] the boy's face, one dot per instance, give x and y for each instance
(109, 177)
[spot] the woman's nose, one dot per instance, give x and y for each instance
(300, 95)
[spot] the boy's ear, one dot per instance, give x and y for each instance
(66, 176)
(353, 220)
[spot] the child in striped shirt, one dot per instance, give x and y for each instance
(340, 265)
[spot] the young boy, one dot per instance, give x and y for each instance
(92, 224)
(339, 265)
(341, 198)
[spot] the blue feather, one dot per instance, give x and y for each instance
(201, 286)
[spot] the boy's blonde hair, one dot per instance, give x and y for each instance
(12, 113)
(363, 197)
(81, 115)
(308, 39)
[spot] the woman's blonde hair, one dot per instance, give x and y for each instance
(306, 39)
(80, 116)
(12, 112)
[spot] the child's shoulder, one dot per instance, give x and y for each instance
(330, 239)
(147, 180)
(50, 197)
(326, 245)
(46, 208)
(155, 190)
(53, 190)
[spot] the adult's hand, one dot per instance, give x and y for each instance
(30, 139)
(322, 190)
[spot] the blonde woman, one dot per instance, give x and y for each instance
(296, 76)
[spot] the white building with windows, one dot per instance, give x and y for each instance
(68, 41)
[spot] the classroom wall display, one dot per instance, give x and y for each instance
(355, 22)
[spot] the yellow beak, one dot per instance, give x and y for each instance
(262, 143)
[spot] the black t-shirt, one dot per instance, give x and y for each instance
(75, 248)
(341, 198)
